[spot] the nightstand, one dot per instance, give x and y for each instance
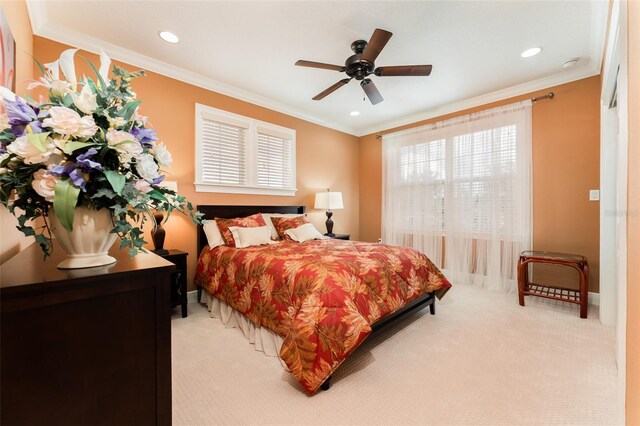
(338, 236)
(178, 279)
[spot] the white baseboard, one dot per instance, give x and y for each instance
(192, 296)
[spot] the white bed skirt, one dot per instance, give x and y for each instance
(262, 339)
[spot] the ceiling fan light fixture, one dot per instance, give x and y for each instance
(531, 52)
(168, 36)
(354, 113)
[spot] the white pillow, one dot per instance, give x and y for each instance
(267, 218)
(304, 233)
(245, 237)
(214, 237)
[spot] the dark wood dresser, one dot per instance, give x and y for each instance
(86, 346)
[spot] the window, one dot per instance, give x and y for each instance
(274, 160)
(460, 191)
(237, 154)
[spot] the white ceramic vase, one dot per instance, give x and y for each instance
(89, 243)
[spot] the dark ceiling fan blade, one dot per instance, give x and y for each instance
(404, 70)
(331, 89)
(372, 91)
(312, 64)
(379, 39)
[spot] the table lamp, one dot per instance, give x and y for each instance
(158, 232)
(328, 201)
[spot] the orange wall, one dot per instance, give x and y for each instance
(633, 217)
(566, 164)
(12, 241)
(325, 158)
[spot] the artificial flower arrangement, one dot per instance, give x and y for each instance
(86, 146)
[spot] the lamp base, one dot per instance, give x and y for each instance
(158, 234)
(329, 223)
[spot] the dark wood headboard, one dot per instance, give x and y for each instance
(228, 212)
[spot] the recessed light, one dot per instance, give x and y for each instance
(354, 113)
(531, 52)
(168, 36)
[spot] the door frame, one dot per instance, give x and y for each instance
(613, 205)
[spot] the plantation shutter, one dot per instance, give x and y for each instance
(241, 155)
(274, 160)
(224, 148)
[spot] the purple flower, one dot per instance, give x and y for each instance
(85, 163)
(73, 172)
(77, 177)
(63, 171)
(19, 112)
(35, 126)
(20, 115)
(156, 181)
(145, 136)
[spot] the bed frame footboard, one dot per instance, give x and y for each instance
(428, 299)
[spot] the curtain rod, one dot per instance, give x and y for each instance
(549, 95)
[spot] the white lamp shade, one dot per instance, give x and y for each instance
(329, 200)
(170, 184)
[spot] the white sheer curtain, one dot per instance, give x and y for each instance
(460, 191)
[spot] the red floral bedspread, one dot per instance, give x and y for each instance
(321, 296)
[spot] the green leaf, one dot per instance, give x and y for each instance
(120, 211)
(116, 180)
(104, 192)
(73, 145)
(157, 195)
(7, 136)
(127, 111)
(64, 203)
(92, 86)
(42, 70)
(28, 231)
(103, 84)
(67, 100)
(38, 140)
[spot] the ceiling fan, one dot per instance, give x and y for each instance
(362, 64)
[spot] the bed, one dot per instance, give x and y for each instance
(322, 297)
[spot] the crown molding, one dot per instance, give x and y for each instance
(41, 27)
(599, 21)
(521, 89)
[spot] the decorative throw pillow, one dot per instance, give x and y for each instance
(283, 223)
(267, 218)
(304, 233)
(246, 237)
(214, 238)
(252, 221)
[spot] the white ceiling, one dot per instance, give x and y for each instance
(247, 49)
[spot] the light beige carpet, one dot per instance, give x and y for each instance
(482, 359)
